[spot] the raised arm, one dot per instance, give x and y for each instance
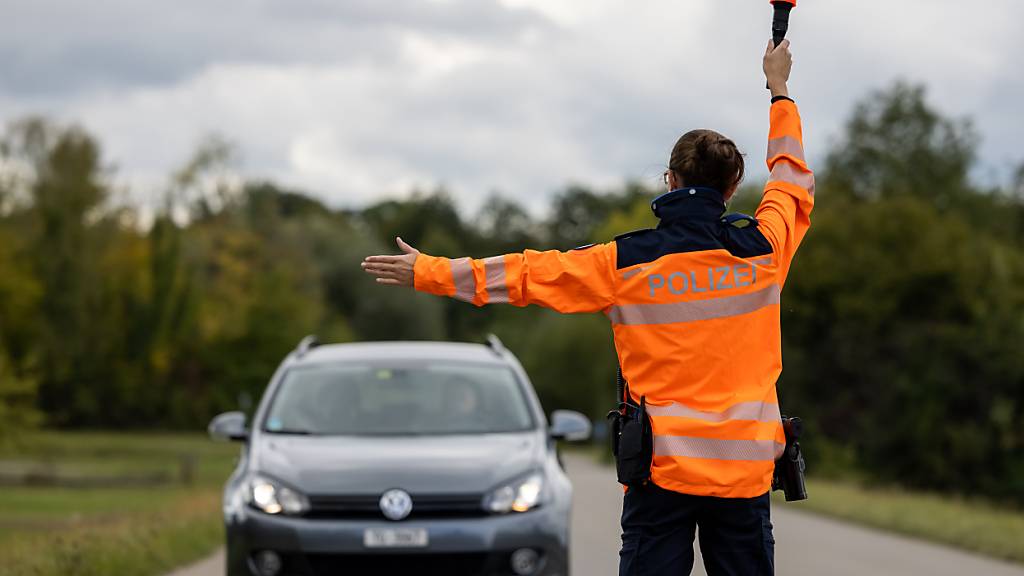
(580, 280)
(784, 213)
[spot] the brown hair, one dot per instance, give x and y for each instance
(706, 158)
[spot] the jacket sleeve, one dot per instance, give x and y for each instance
(784, 213)
(580, 280)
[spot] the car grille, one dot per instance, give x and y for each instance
(424, 506)
(463, 564)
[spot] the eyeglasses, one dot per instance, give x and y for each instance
(664, 177)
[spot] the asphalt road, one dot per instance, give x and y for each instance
(805, 545)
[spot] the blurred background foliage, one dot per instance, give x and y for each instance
(903, 317)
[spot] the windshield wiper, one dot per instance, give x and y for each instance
(291, 431)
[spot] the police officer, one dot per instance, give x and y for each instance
(694, 306)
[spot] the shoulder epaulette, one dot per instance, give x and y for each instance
(738, 220)
(634, 233)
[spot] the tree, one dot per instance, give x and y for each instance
(895, 144)
(900, 307)
(63, 178)
(19, 297)
(17, 402)
(578, 213)
(504, 226)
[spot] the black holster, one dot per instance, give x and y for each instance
(632, 441)
(789, 468)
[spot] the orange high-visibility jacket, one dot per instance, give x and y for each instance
(694, 306)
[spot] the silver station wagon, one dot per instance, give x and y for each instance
(399, 458)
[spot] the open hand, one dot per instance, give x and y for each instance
(393, 270)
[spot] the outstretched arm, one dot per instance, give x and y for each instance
(580, 280)
(784, 213)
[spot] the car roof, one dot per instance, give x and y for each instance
(401, 351)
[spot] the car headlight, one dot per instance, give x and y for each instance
(272, 497)
(518, 496)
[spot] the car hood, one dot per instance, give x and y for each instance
(416, 464)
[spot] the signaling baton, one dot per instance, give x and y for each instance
(780, 22)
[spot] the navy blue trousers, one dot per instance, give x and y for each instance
(658, 528)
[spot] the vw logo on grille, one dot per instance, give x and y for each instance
(395, 504)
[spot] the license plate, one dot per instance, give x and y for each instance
(395, 537)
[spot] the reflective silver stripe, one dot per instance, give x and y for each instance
(497, 290)
(790, 173)
(630, 273)
(465, 282)
(715, 449)
(759, 411)
(786, 145)
(670, 313)
(762, 261)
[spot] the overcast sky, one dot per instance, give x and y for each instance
(355, 100)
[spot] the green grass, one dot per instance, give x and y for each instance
(111, 529)
(113, 453)
(976, 526)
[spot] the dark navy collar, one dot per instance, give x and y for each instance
(692, 202)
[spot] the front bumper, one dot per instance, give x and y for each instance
(457, 547)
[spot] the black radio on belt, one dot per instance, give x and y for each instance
(789, 468)
(632, 441)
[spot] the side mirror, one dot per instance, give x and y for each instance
(570, 426)
(228, 426)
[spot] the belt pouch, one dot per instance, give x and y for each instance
(633, 457)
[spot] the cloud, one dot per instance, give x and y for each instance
(358, 99)
(49, 46)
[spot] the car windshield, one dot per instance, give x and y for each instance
(380, 400)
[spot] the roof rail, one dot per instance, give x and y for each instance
(306, 344)
(495, 344)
